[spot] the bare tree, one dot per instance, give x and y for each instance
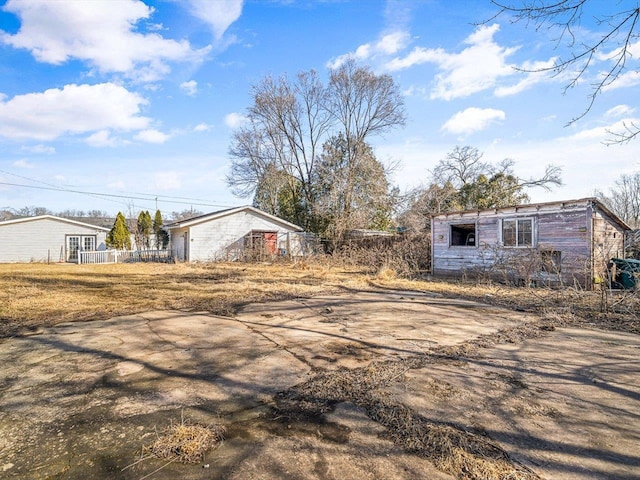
(185, 214)
(287, 125)
(464, 166)
(6, 214)
(624, 198)
(31, 211)
(463, 181)
(461, 166)
(615, 44)
(275, 155)
(423, 202)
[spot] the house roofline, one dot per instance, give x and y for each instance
(53, 217)
(230, 211)
(586, 201)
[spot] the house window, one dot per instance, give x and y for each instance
(550, 261)
(463, 235)
(517, 232)
(89, 243)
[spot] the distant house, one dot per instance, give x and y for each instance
(48, 238)
(233, 234)
(567, 242)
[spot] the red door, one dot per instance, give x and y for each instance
(270, 243)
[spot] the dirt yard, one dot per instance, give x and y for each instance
(350, 380)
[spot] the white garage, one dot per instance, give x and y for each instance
(233, 234)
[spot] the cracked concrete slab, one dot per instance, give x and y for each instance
(352, 328)
(78, 400)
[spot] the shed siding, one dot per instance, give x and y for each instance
(568, 233)
(585, 237)
(223, 238)
(41, 239)
(608, 243)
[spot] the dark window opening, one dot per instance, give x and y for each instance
(551, 261)
(463, 235)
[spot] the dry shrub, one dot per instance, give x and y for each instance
(385, 273)
(186, 442)
(407, 255)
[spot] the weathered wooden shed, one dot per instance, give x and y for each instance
(555, 243)
(48, 238)
(233, 234)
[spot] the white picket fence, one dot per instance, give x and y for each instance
(121, 256)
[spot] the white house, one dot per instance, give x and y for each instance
(233, 234)
(47, 238)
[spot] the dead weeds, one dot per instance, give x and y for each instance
(186, 442)
(464, 454)
(39, 295)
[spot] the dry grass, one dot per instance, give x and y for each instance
(186, 442)
(36, 295)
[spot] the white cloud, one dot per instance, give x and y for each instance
(619, 111)
(476, 68)
(72, 110)
(102, 138)
(169, 180)
(472, 120)
(100, 32)
(628, 79)
(604, 132)
(39, 149)
(152, 136)
(415, 91)
(534, 73)
(234, 120)
(389, 44)
(22, 163)
(218, 14)
(190, 87)
(202, 127)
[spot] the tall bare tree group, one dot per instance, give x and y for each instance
(305, 153)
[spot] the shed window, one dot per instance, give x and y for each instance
(517, 232)
(463, 235)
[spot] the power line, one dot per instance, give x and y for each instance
(150, 196)
(111, 195)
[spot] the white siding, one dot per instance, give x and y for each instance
(41, 239)
(177, 242)
(223, 238)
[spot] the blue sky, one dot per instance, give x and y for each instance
(139, 99)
